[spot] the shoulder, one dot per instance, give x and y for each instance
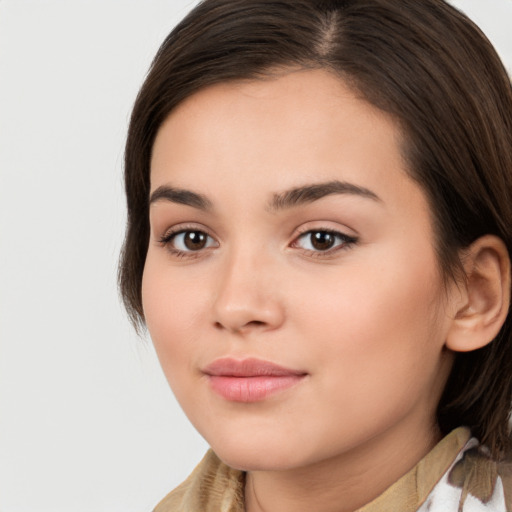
(212, 486)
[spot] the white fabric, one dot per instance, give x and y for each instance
(445, 497)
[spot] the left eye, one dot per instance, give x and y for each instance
(190, 241)
(322, 241)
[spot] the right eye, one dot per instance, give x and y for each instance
(188, 241)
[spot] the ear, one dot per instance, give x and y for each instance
(484, 296)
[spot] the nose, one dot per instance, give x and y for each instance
(247, 297)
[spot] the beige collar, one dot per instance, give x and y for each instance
(409, 492)
(215, 487)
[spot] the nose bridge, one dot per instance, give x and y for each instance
(246, 296)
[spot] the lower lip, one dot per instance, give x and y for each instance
(251, 389)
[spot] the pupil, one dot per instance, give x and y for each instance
(195, 240)
(322, 240)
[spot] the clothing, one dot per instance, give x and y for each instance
(456, 476)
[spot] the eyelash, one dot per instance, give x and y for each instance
(344, 242)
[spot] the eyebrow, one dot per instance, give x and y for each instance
(288, 199)
(181, 196)
(309, 193)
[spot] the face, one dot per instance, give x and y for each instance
(291, 286)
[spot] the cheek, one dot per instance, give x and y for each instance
(172, 313)
(376, 323)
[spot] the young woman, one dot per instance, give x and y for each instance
(319, 230)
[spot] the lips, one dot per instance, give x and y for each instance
(249, 380)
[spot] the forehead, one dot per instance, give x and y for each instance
(313, 97)
(271, 134)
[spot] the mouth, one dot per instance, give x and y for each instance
(250, 380)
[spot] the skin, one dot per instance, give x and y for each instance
(366, 322)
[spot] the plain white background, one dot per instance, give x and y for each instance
(87, 423)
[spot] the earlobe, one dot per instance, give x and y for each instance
(485, 295)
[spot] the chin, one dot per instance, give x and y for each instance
(256, 459)
(256, 453)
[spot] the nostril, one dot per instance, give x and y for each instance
(255, 323)
(243, 327)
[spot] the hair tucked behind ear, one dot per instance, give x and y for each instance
(425, 64)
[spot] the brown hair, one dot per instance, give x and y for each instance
(422, 62)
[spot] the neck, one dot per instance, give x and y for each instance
(342, 483)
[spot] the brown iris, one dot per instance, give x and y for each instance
(322, 240)
(195, 240)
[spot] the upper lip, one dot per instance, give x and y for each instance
(230, 367)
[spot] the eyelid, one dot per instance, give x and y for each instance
(185, 226)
